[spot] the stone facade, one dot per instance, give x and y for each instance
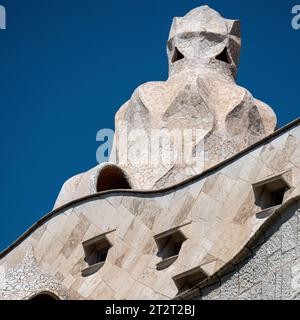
(229, 232)
(27, 280)
(200, 93)
(270, 268)
(200, 96)
(217, 212)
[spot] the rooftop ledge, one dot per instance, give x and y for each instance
(277, 133)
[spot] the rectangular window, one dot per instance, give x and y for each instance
(271, 191)
(96, 252)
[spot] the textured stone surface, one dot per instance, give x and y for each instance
(282, 281)
(200, 94)
(27, 280)
(217, 212)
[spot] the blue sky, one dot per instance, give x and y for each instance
(68, 65)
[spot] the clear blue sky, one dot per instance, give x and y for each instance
(68, 65)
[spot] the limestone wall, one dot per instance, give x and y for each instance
(272, 269)
(217, 212)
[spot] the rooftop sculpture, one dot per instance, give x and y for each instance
(200, 95)
(230, 231)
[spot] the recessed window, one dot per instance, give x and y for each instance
(277, 197)
(189, 279)
(169, 244)
(44, 296)
(223, 56)
(102, 254)
(96, 251)
(271, 191)
(111, 178)
(177, 55)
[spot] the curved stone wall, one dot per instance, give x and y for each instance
(216, 212)
(271, 270)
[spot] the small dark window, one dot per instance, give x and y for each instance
(101, 255)
(223, 56)
(110, 178)
(270, 192)
(45, 296)
(96, 251)
(177, 55)
(169, 245)
(277, 197)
